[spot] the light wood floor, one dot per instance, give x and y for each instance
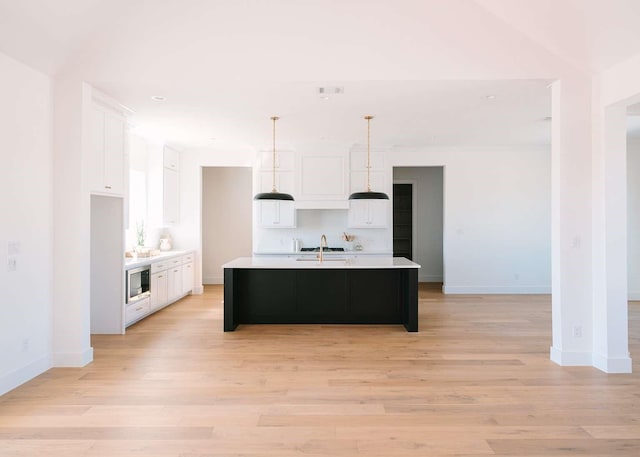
(476, 380)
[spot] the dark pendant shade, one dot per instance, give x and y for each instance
(273, 196)
(369, 195)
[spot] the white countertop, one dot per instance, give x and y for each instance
(279, 262)
(332, 253)
(134, 262)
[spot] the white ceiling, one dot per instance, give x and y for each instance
(422, 67)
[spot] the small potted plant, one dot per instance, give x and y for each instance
(348, 241)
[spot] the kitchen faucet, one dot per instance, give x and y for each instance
(322, 238)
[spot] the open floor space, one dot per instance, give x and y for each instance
(475, 380)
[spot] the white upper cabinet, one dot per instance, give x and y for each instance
(359, 181)
(171, 197)
(285, 161)
(274, 213)
(163, 191)
(323, 181)
(358, 160)
(171, 159)
(285, 182)
(368, 213)
(106, 141)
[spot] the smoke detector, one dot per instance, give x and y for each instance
(328, 91)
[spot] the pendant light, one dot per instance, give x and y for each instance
(368, 194)
(274, 194)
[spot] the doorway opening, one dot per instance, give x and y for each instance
(418, 219)
(226, 218)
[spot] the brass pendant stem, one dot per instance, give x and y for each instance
(368, 118)
(273, 178)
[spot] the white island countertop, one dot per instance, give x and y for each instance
(334, 262)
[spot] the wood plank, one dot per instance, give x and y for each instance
(475, 380)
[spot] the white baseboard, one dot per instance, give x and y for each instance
(429, 278)
(198, 290)
(496, 289)
(213, 280)
(570, 359)
(18, 377)
(589, 359)
(633, 295)
(612, 365)
(73, 359)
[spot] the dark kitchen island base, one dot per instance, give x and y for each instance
(321, 296)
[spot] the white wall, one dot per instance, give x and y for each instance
(429, 194)
(497, 205)
(226, 218)
(26, 207)
(633, 218)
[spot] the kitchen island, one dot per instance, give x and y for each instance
(362, 290)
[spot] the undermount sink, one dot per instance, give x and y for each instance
(327, 259)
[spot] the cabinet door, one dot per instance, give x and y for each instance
(323, 178)
(171, 159)
(159, 285)
(187, 278)
(284, 182)
(376, 179)
(359, 160)
(275, 213)
(284, 160)
(171, 196)
(114, 149)
(106, 150)
(378, 212)
(95, 145)
(368, 213)
(174, 275)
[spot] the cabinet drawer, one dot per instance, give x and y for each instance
(174, 261)
(159, 266)
(187, 258)
(137, 310)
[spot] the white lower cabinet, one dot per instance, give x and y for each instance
(136, 311)
(174, 278)
(171, 279)
(187, 278)
(159, 290)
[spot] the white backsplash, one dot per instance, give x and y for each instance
(311, 225)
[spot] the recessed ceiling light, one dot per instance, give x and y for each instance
(158, 98)
(212, 138)
(491, 97)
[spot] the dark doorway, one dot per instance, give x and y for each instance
(402, 220)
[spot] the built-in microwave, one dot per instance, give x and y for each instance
(138, 281)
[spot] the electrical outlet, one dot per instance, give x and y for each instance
(25, 345)
(12, 263)
(13, 248)
(577, 331)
